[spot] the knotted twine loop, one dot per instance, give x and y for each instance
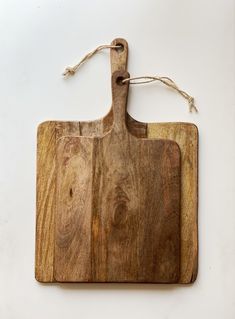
(72, 70)
(135, 80)
(168, 82)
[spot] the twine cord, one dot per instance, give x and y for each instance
(168, 82)
(135, 80)
(72, 70)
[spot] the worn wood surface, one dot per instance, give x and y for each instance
(185, 134)
(117, 205)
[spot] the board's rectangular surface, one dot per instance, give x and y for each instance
(185, 134)
(118, 209)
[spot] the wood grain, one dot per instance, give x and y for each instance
(117, 205)
(185, 134)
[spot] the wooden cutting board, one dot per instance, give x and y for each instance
(185, 134)
(117, 204)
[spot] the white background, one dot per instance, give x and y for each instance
(192, 41)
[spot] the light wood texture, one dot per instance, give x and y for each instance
(117, 205)
(185, 134)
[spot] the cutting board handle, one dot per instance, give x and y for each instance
(119, 96)
(119, 57)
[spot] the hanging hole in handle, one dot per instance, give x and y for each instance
(119, 80)
(120, 47)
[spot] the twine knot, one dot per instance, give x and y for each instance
(192, 105)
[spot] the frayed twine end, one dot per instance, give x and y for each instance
(69, 71)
